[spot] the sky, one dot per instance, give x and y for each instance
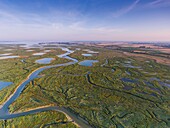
(85, 20)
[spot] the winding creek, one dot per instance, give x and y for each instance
(4, 112)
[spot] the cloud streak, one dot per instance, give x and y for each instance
(158, 3)
(125, 10)
(8, 17)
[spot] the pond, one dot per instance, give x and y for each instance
(128, 62)
(47, 50)
(92, 52)
(113, 70)
(87, 54)
(8, 57)
(8, 49)
(128, 87)
(29, 50)
(78, 49)
(164, 84)
(44, 61)
(89, 51)
(38, 54)
(4, 84)
(130, 66)
(128, 73)
(88, 62)
(128, 80)
(5, 54)
(160, 82)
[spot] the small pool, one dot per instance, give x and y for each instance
(128, 62)
(88, 62)
(89, 51)
(44, 61)
(128, 73)
(47, 50)
(5, 54)
(8, 49)
(113, 70)
(38, 54)
(8, 57)
(92, 52)
(78, 49)
(131, 66)
(87, 54)
(29, 50)
(4, 84)
(164, 84)
(128, 88)
(128, 80)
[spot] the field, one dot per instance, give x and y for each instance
(129, 87)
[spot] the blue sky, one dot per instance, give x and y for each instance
(70, 20)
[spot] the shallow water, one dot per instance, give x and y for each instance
(149, 83)
(8, 57)
(160, 82)
(47, 50)
(154, 78)
(128, 62)
(23, 61)
(130, 66)
(5, 54)
(92, 52)
(78, 49)
(88, 62)
(89, 51)
(153, 94)
(29, 50)
(164, 84)
(128, 88)
(87, 54)
(4, 84)
(113, 70)
(128, 73)
(44, 61)
(38, 54)
(128, 80)
(8, 49)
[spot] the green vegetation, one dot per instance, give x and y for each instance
(14, 70)
(117, 92)
(49, 119)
